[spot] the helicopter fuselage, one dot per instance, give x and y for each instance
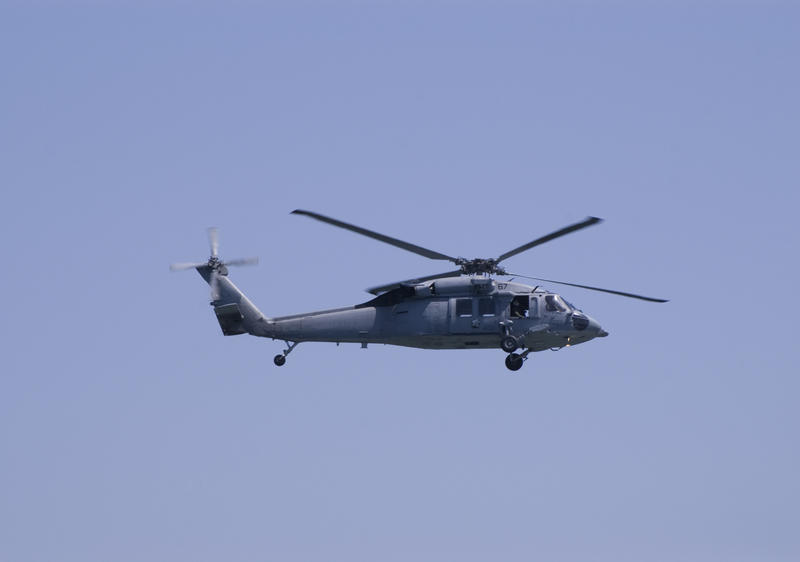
(459, 309)
(448, 313)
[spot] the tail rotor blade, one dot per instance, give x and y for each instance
(214, 285)
(185, 265)
(242, 261)
(213, 241)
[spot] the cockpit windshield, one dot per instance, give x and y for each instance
(555, 303)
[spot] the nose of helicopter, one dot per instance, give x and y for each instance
(594, 327)
(588, 325)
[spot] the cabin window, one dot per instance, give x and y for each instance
(519, 306)
(485, 307)
(463, 307)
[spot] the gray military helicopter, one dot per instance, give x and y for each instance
(460, 309)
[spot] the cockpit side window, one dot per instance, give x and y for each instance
(554, 304)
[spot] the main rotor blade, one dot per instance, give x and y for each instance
(241, 261)
(620, 293)
(185, 265)
(589, 221)
(213, 241)
(390, 286)
(387, 239)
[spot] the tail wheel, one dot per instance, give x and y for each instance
(279, 360)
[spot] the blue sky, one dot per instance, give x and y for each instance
(130, 429)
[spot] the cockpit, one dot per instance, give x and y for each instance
(554, 303)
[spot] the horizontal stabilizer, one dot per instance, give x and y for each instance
(230, 319)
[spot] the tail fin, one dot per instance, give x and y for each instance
(235, 313)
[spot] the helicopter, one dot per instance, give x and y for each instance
(465, 308)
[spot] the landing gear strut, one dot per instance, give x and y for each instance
(514, 360)
(280, 359)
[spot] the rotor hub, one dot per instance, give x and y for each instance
(478, 266)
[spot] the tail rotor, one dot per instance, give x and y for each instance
(215, 265)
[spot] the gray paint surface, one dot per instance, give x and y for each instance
(429, 321)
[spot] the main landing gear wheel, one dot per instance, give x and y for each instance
(509, 344)
(514, 362)
(279, 360)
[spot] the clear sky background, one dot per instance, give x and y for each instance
(131, 429)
